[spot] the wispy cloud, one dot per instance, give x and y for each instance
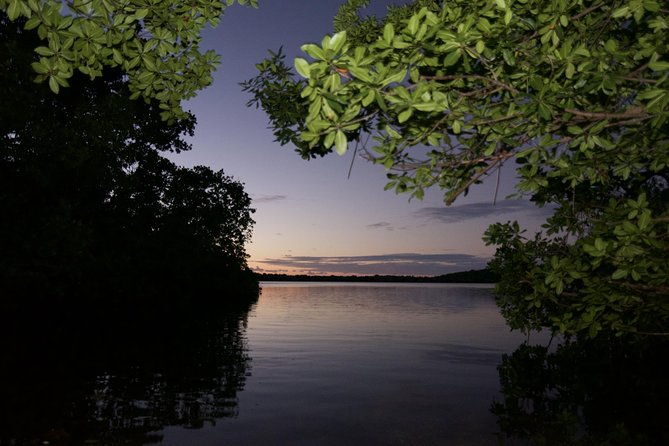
(465, 212)
(401, 264)
(267, 198)
(381, 225)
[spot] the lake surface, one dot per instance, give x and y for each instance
(368, 364)
(325, 364)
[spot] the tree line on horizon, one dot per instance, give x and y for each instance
(470, 276)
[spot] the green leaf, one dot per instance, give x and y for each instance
(302, 67)
(361, 73)
(480, 46)
(620, 12)
(451, 59)
(388, 33)
(341, 144)
(13, 10)
(337, 41)
(314, 51)
(395, 77)
(404, 116)
(53, 84)
(644, 219)
(571, 69)
(141, 13)
(619, 274)
(329, 140)
(413, 24)
(369, 98)
(44, 51)
(508, 15)
(40, 67)
(427, 106)
(659, 65)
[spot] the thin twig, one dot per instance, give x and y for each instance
(471, 181)
(499, 173)
(585, 12)
(639, 79)
(350, 167)
(632, 113)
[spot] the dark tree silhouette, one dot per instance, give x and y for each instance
(92, 214)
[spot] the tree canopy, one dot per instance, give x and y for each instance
(155, 43)
(572, 93)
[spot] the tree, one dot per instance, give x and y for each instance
(156, 44)
(89, 207)
(575, 92)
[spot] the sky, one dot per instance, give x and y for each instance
(311, 218)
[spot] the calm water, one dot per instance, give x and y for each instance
(325, 364)
(368, 364)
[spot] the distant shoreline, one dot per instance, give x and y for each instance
(471, 276)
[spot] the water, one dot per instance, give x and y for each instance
(372, 364)
(327, 364)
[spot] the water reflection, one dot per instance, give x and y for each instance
(120, 382)
(585, 392)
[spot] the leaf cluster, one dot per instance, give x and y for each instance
(573, 93)
(155, 43)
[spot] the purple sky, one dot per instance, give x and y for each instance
(309, 217)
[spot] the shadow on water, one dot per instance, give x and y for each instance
(585, 392)
(70, 379)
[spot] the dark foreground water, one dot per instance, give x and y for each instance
(328, 364)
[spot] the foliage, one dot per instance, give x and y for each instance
(156, 43)
(575, 92)
(585, 392)
(88, 205)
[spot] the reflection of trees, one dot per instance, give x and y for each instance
(123, 385)
(604, 391)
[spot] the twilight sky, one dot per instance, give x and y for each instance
(309, 217)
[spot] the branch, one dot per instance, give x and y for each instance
(495, 120)
(635, 112)
(474, 179)
(471, 76)
(585, 12)
(661, 290)
(651, 333)
(639, 70)
(639, 79)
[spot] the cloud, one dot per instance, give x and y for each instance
(400, 264)
(465, 212)
(268, 198)
(381, 225)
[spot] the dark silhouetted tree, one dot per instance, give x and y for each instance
(90, 207)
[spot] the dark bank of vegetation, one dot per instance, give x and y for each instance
(471, 276)
(94, 219)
